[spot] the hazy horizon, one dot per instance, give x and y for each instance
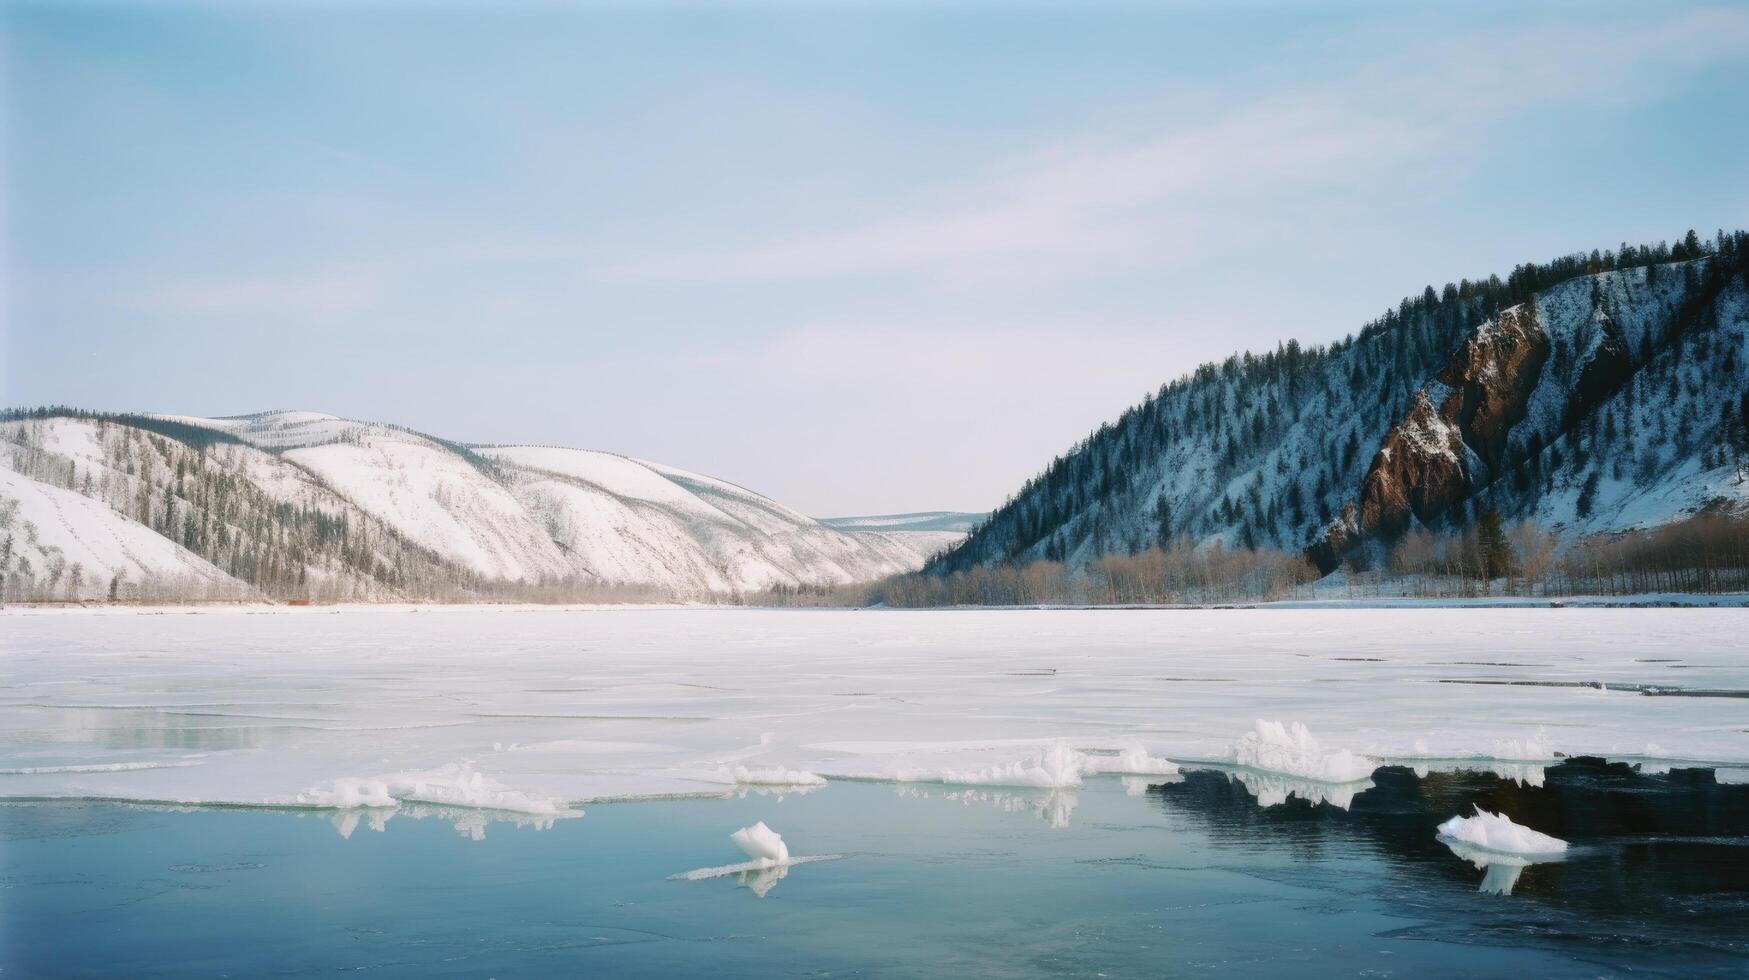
(863, 259)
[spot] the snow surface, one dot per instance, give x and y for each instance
(533, 711)
(95, 544)
(439, 500)
(1499, 834)
(951, 521)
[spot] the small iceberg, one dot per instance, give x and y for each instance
(1291, 750)
(770, 860)
(1497, 834)
(761, 843)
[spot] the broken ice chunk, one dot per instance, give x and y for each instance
(1498, 833)
(761, 843)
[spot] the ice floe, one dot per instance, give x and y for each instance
(770, 860)
(1291, 750)
(761, 843)
(1497, 833)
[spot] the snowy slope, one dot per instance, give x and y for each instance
(943, 521)
(1655, 466)
(421, 488)
(439, 500)
(238, 506)
(73, 547)
(1268, 449)
(306, 503)
(627, 520)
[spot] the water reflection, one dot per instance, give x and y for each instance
(1642, 838)
(1054, 806)
(761, 880)
(1499, 871)
(1523, 773)
(468, 822)
(1271, 789)
(778, 792)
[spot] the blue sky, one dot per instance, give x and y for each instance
(860, 257)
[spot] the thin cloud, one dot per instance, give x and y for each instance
(1095, 203)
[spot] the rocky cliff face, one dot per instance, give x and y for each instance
(1608, 367)
(1491, 380)
(1419, 471)
(1454, 438)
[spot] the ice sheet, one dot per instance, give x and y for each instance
(542, 709)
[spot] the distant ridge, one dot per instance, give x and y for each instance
(927, 520)
(307, 504)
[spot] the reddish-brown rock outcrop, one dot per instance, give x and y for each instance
(1419, 470)
(1491, 379)
(1424, 465)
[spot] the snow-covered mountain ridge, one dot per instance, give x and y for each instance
(1590, 394)
(298, 504)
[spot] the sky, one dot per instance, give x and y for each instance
(860, 257)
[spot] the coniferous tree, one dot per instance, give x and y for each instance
(1496, 553)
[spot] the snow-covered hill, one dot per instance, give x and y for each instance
(304, 503)
(628, 520)
(1590, 394)
(73, 547)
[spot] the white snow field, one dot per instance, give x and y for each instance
(537, 711)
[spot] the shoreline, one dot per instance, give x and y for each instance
(1650, 600)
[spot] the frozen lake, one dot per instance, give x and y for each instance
(508, 791)
(544, 711)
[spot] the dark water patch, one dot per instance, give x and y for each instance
(1186, 878)
(1657, 872)
(1651, 690)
